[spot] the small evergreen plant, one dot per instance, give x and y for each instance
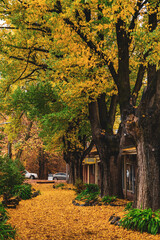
(11, 174)
(109, 199)
(90, 193)
(6, 230)
(24, 191)
(79, 186)
(59, 185)
(142, 220)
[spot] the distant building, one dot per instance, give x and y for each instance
(91, 168)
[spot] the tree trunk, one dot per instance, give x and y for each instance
(145, 129)
(9, 150)
(107, 147)
(148, 144)
(148, 176)
(73, 159)
(43, 165)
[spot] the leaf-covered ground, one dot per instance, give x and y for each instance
(52, 215)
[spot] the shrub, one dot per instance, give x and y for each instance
(59, 185)
(3, 213)
(6, 230)
(80, 186)
(24, 191)
(10, 175)
(142, 220)
(90, 193)
(92, 188)
(128, 206)
(109, 199)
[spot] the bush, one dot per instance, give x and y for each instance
(24, 191)
(3, 213)
(109, 199)
(90, 193)
(59, 185)
(91, 188)
(142, 220)
(11, 174)
(80, 186)
(128, 206)
(6, 230)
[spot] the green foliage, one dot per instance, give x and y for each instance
(3, 213)
(142, 220)
(92, 188)
(128, 206)
(24, 191)
(6, 230)
(59, 185)
(109, 199)
(80, 186)
(42, 102)
(90, 193)
(35, 100)
(11, 174)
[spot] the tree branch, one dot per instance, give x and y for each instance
(87, 151)
(34, 70)
(112, 111)
(139, 6)
(139, 80)
(43, 66)
(103, 113)
(32, 48)
(31, 28)
(93, 47)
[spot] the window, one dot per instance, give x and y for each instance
(92, 169)
(130, 177)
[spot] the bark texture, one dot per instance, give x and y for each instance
(107, 145)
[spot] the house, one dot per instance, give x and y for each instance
(91, 168)
(129, 171)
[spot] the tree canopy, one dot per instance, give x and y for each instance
(93, 53)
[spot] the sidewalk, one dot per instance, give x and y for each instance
(52, 216)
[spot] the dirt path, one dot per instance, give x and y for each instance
(52, 216)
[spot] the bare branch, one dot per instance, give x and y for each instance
(42, 66)
(26, 75)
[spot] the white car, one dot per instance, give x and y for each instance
(60, 176)
(30, 175)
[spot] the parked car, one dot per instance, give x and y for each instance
(30, 175)
(60, 176)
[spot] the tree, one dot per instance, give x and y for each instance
(91, 43)
(144, 127)
(55, 58)
(10, 175)
(22, 131)
(61, 128)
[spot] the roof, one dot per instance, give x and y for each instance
(129, 150)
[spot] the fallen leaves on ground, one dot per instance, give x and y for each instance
(52, 216)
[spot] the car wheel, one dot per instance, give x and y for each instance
(55, 178)
(32, 177)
